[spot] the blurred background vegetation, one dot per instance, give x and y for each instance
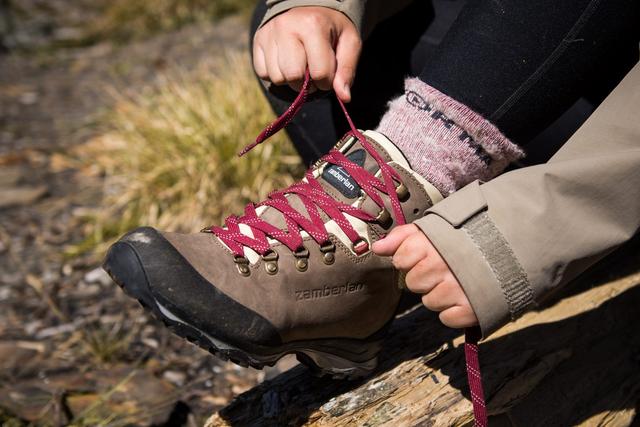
(29, 24)
(123, 20)
(115, 114)
(170, 154)
(167, 152)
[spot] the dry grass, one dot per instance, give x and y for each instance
(8, 420)
(77, 23)
(122, 20)
(106, 345)
(170, 158)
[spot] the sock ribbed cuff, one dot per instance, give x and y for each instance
(444, 140)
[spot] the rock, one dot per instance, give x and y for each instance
(8, 279)
(150, 342)
(121, 396)
(98, 275)
(65, 328)
(49, 276)
(33, 326)
(134, 396)
(21, 196)
(32, 402)
(28, 98)
(175, 377)
(10, 176)
(16, 355)
(5, 293)
(68, 34)
(67, 269)
(84, 290)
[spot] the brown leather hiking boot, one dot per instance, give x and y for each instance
(295, 274)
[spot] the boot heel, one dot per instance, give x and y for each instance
(340, 366)
(337, 367)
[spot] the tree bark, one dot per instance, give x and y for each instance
(575, 361)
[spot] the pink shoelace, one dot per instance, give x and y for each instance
(313, 198)
(474, 376)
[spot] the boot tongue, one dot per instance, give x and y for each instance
(338, 178)
(336, 181)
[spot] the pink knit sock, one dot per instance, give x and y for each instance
(445, 141)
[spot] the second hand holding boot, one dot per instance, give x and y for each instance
(294, 274)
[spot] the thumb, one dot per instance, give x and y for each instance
(347, 54)
(390, 244)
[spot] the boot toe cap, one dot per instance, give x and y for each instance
(149, 268)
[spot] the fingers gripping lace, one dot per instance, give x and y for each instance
(313, 197)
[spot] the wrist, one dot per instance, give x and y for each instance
(352, 9)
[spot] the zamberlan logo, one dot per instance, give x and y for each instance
(328, 291)
(340, 179)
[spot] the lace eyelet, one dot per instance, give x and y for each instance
(360, 247)
(328, 253)
(402, 192)
(384, 218)
(302, 259)
(271, 262)
(242, 263)
(302, 264)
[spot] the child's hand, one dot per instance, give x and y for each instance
(427, 274)
(321, 38)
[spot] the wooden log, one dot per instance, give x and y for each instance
(575, 361)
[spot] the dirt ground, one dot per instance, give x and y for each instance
(73, 349)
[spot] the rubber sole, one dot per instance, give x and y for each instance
(339, 358)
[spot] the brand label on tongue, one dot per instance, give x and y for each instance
(340, 179)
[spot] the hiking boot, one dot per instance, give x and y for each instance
(294, 274)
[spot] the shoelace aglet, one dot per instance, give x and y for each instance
(248, 148)
(284, 119)
(264, 135)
